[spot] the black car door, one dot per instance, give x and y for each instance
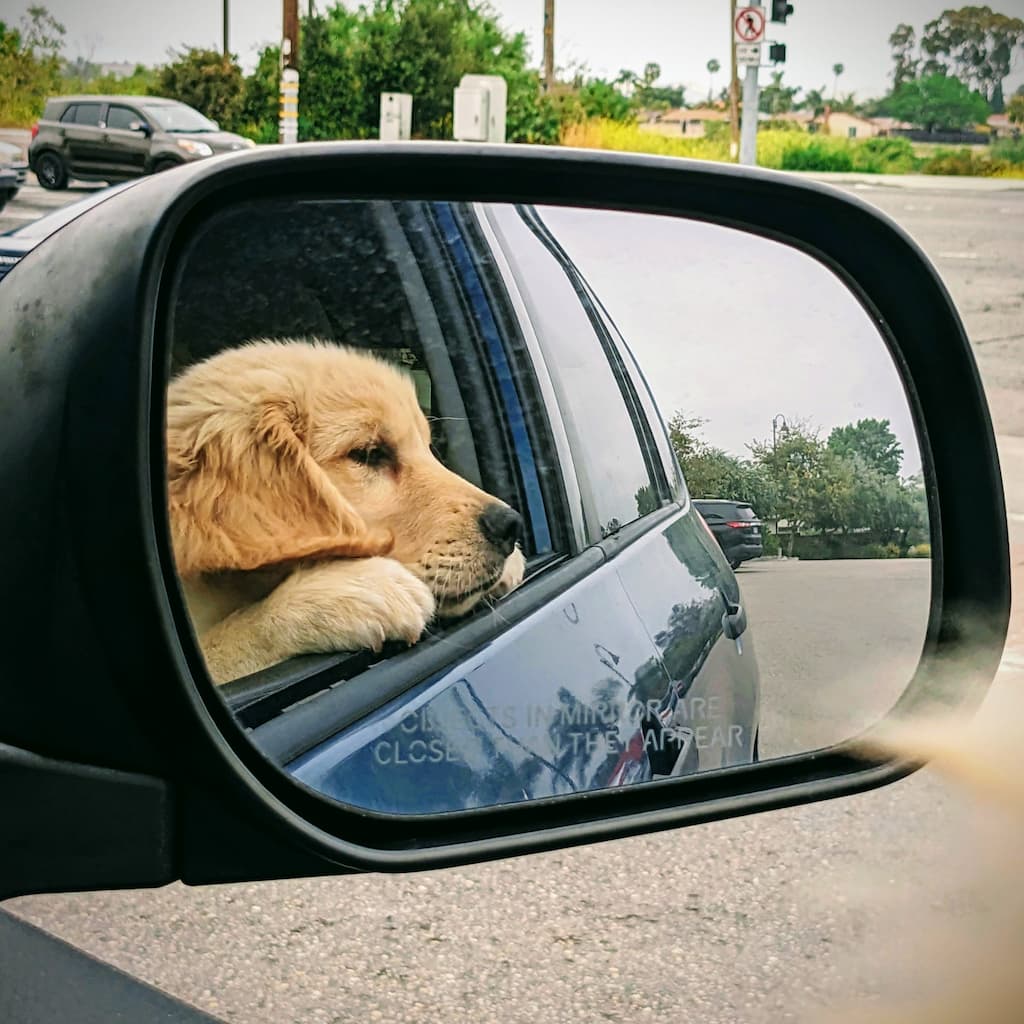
(83, 134)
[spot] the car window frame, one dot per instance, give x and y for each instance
(75, 107)
(122, 106)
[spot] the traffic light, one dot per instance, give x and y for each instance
(781, 11)
(777, 53)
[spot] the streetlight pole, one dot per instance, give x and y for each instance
(778, 422)
(226, 5)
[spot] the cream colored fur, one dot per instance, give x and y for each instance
(291, 536)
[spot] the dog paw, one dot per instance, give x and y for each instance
(351, 605)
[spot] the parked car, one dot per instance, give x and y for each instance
(13, 169)
(110, 138)
(736, 528)
(18, 242)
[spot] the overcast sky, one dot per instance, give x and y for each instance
(606, 35)
(737, 329)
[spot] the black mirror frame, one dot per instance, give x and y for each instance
(237, 816)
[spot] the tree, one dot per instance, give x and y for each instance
(870, 440)
(713, 68)
(794, 467)
(349, 57)
(208, 80)
(977, 45)
(905, 65)
(30, 65)
(1015, 110)
(814, 101)
(711, 473)
(646, 93)
(837, 70)
(937, 103)
(777, 98)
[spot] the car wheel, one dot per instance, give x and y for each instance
(734, 565)
(165, 165)
(51, 171)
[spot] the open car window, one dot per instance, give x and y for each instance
(413, 284)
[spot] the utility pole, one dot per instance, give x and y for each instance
(226, 50)
(549, 45)
(734, 88)
(289, 123)
(748, 128)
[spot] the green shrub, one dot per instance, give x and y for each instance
(920, 551)
(1010, 150)
(884, 156)
(963, 162)
(817, 155)
(770, 543)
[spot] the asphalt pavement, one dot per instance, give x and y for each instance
(754, 919)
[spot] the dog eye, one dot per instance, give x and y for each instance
(376, 456)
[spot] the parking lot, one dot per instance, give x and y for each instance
(743, 920)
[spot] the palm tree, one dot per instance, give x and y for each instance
(713, 68)
(837, 70)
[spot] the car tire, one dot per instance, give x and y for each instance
(164, 165)
(734, 565)
(51, 171)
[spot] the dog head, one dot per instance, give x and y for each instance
(284, 451)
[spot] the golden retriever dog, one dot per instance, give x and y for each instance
(309, 514)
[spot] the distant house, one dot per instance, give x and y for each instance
(849, 126)
(117, 69)
(886, 125)
(1002, 127)
(680, 121)
(802, 118)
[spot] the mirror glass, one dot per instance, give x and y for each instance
(481, 503)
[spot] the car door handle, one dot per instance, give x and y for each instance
(734, 620)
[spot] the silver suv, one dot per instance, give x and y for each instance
(111, 138)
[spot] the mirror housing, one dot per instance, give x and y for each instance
(120, 713)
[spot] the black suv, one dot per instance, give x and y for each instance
(111, 138)
(735, 526)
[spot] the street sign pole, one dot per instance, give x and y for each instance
(748, 126)
(748, 29)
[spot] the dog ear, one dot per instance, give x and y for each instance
(244, 492)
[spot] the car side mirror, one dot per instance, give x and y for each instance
(382, 557)
(140, 126)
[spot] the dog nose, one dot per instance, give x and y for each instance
(502, 526)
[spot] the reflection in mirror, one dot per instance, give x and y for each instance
(438, 545)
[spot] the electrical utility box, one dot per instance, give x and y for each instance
(395, 116)
(481, 102)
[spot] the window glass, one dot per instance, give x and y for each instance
(86, 114)
(121, 117)
(609, 460)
